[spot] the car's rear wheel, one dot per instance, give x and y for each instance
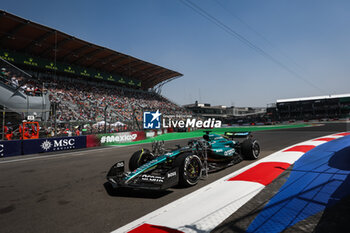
(250, 149)
(139, 158)
(190, 167)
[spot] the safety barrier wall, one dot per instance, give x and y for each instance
(10, 148)
(114, 138)
(34, 146)
(117, 138)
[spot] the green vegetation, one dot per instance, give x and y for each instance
(199, 133)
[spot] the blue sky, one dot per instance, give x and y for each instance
(310, 38)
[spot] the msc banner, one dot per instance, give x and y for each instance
(10, 148)
(53, 144)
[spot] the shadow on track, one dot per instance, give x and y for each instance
(135, 193)
(336, 216)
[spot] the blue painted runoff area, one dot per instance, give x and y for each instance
(319, 179)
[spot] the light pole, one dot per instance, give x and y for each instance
(55, 116)
(106, 118)
(3, 122)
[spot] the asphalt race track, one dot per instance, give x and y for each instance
(66, 192)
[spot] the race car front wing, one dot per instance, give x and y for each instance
(154, 180)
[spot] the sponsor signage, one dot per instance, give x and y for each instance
(116, 138)
(150, 134)
(111, 78)
(153, 179)
(10, 148)
(85, 73)
(121, 80)
(64, 67)
(53, 144)
(99, 76)
(30, 61)
(171, 174)
(7, 57)
(51, 66)
(69, 70)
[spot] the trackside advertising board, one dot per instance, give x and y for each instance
(10, 148)
(34, 146)
(53, 144)
(114, 138)
(154, 133)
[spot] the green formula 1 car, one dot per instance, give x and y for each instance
(162, 168)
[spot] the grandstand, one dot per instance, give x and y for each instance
(318, 107)
(227, 114)
(67, 80)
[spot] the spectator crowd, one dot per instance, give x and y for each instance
(85, 102)
(14, 79)
(80, 106)
(89, 102)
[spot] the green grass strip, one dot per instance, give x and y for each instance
(199, 132)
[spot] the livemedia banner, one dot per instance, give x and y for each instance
(34, 146)
(10, 148)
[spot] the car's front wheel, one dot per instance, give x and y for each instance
(250, 149)
(190, 167)
(139, 158)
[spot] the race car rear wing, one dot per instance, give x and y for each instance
(238, 134)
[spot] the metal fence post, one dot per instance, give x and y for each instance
(3, 122)
(106, 118)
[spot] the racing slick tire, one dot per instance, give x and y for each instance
(139, 158)
(190, 167)
(250, 149)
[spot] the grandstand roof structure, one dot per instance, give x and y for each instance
(21, 35)
(313, 98)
